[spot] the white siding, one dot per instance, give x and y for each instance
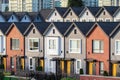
(26, 19)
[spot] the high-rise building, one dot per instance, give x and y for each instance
(94, 3)
(24, 5)
(64, 3)
(3, 5)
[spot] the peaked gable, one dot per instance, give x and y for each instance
(13, 18)
(26, 18)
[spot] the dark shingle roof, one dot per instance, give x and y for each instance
(41, 26)
(61, 10)
(62, 27)
(4, 27)
(22, 26)
(111, 9)
(84, 27)
(94, 10)
(45, 12)
(7, 15)
(108, 27)
(77, 10)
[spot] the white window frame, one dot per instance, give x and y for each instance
(53, 51)
(91, 19)
(116, 19)
(31, 65)
(83, 20)
(99, 46)
(80, 46)
(29, 45)
(116, 49)
(100, 20)
(101, 71)
(1, 43)
(78, 70)
(12, 44)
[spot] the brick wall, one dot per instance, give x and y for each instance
(90, 77)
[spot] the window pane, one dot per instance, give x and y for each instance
(75, 46)
(34, 44)
(78, 64)
(15, 44)
(117, 46)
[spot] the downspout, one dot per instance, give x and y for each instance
(43, 53)
(24, 53)
(110, 68)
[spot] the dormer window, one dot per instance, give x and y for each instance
(25, 17)
(71, 13)
(33, 31)
(12, 17)
(55, 13)
(37, 17)
(104, 13)
(53, 31)
(86, 13)
(75, 31)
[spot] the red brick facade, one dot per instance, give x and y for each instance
(14, 33)
(98, 34)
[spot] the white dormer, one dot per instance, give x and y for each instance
(54, 17)
(13, 18)
(86, 16)
(26, 18)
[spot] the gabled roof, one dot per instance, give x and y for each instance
(110, 9)
(41, 26)
(84, 27)
(7, 15)
(107, 27)
(4, 27)
(21, 26)
(60, 10)
(61, 27)
(45, 12)
(76, 10)
(94, 10)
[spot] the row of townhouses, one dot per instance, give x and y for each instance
(61, 47)
(71, 14)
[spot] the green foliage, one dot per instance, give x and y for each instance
(105, 73)
(75, 3)
(1, 66)
(1, 75)
(68, 78)
(81, 71)
(6, 73)
(39, 68)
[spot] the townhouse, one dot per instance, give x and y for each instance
(15, 48)
(98, 48)
(34, 46)
(75, 47)
(3, 54)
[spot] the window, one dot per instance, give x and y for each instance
(53, 45)
(78, 66)
(107, 20)
(34, 44)
(53, 31)
(101, 68)
(75, 31)
(98, 46)
(33, 31)
(12, 62)
(12, 17)
(71, 13)
(86, 13)
(31, 63)
(75, 46)
(1, 43)
(55, 13)
(117, 47)
(25, 17)
(104, 13)
(15, 44)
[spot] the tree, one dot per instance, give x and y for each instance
(75, 3)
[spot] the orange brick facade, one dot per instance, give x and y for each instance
(14, 33)
(98, 34)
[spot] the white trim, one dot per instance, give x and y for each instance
(38, 45)
(78, 70)
(115, 48)
(107, 19)
(31, 67)
(79, 44)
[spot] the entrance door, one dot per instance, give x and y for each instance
(31, 63)
(114, 70)
(90, 68)
(68, 67)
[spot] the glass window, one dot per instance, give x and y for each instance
(15, 44)
(98, 46)
(101, 67)
(12, 62)
(75, 46)
(78, 66)
(34, 44)
(117, 47)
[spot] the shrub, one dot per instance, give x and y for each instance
(68, 78)
(1, 75)
(39, 68)
(105, 73)
(81, 71)
(6, 73)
